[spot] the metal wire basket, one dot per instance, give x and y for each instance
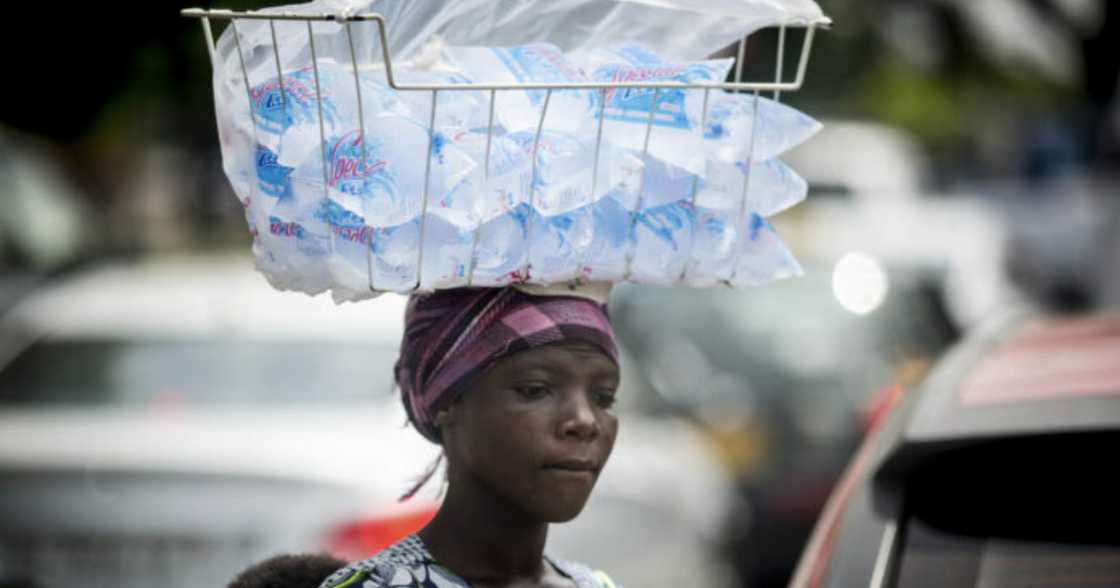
(777, 85)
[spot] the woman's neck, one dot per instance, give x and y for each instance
(485, 539)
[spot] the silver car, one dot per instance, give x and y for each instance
(170, 422)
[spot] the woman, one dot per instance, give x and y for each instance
(518, 389)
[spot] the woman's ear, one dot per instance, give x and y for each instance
(445, 417)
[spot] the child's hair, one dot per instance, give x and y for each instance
(289, 571)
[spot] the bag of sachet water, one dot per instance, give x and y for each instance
(657, 242)
(559, 245)
(387, 258)
(349, 262)
(563, 172)
(258, 131)
(498, 182)
(761, 256)
(716, 239)
(493, 203)
(544, 236)
(499, 256)
(605, 256)
(680, 243)
(331, 243)
(770, 186)
(383, 189)
(661, 183)
(428, 252)
(568, 110)
(743, 126)
(675, 135)
(448, 245)
(587, 243)
(730, 247)
(290, 245)
(383, 178)
(523, 245)
(455, 109)
(296, 98)
(565, 163)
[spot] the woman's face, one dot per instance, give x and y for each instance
(536, 428)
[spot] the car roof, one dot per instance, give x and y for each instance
(1032, 375)
(1016, 380)
(197, 297)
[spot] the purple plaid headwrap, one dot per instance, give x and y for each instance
(453, 336)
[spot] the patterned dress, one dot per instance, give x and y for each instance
(408, 564)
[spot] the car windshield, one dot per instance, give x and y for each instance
(221, 371)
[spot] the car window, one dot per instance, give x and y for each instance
(109, 372)
(936, 558)
(1031, 511)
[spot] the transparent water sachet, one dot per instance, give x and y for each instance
(674, 134)
(770, 186)
(680, 243)
(568, 110)
(561, 181)
(384, 177)
(455, 109)
(744, 126)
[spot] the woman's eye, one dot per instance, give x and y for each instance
(533, 392)
(605, 399)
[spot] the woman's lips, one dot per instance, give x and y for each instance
(575, 466)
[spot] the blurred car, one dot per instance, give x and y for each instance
(168, 423)
(46, 224)
(996, 472)
(869, 192)
(775, 379)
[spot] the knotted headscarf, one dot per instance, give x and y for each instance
(453, 336)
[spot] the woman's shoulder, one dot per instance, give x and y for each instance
(405, 564)
(408, 564)
(582, 575)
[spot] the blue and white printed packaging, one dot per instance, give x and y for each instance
(279, 103)
(675, 135)
(562, 179)
(458, 109)
(769, 186)
(743, 126)
(428, 252)
(333, 208)
(761, 257)
(568, 110)
(379, 178)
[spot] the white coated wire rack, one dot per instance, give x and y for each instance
(777, 86)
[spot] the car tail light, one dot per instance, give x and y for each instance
(363, 538)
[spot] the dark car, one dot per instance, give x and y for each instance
(998, 471)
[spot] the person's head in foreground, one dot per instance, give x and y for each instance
(518, 390)
(288, 571)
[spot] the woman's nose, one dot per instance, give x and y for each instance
(578, 418)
